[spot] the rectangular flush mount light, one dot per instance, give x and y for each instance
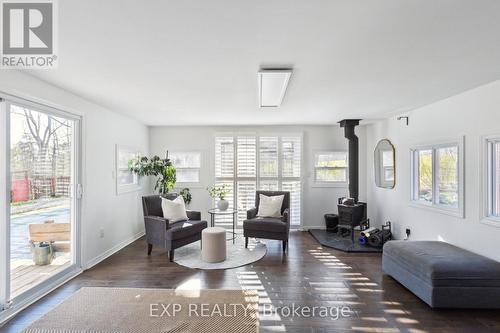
(272, 86)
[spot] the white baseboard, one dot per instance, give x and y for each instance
(309, 227)
(92, 262)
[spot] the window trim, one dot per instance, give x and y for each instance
(134, 187)
(319, 183)
(433, 206)
(199, 183)
(486, 191)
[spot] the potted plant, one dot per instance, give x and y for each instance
(220, 192)
(158, 167)
(186, 195)
(42, 252)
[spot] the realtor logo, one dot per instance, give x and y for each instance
(28, 30)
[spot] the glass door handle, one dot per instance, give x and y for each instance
(79, 191)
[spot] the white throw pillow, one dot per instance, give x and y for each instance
(174, 210)
(270, 206)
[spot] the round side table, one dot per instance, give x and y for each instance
(215, 211)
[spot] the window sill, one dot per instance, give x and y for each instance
(180, 186)
(327, 184)
(491, 221)
(438, 209)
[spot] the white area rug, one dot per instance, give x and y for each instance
(237, 255)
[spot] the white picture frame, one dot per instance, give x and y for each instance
(126, 181)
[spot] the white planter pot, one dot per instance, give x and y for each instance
(222, 204)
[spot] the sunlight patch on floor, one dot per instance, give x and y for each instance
(251, 281)
(190, 288)
(376, 329)
(340, 285)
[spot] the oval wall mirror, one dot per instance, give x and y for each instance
(385, 164)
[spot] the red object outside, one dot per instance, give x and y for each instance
(20, 190)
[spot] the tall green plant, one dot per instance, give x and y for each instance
(158, 167)
(186, 195)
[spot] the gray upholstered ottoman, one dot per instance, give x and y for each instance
(213, 244)
(443, 275)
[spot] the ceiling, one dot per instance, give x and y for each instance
(195, 62)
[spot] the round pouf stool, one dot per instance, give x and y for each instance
(213, 244)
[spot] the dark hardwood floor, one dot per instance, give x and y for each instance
(310, 275)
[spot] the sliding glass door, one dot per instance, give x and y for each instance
(41, 200)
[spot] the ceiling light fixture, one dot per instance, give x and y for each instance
(272, 86)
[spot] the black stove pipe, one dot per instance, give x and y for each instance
(349, 133)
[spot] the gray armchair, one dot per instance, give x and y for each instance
(268, 227)
(170, 236)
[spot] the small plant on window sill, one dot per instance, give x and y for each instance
(158, 167)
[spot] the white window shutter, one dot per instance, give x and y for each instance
(291, 156)
(224, 173)
(272, 164)
(246, 160)
(246, 198)
(269, 185)
(224, 157)
(294, 187)
(268, 156)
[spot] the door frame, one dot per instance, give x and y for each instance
(11, 306)
(4, 202)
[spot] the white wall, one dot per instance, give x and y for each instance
(119, 216)
(471, 114)
(316, 200)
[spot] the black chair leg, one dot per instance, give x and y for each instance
(246, 242)
(171, 255)
(285, 244)
(150, 249)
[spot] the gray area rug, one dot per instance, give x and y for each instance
(237, 255)
(335, 241)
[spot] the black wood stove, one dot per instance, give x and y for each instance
(352, 213)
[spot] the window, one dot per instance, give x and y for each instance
(250, 162)
(437, 173)
(126, 180)
(268, 152)
(493, 178)
(330, 168)
(289, 179)
(424, 175)
(388, 166)
(187, 166)
(447, 187)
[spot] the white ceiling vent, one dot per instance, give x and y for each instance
(272, 86)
